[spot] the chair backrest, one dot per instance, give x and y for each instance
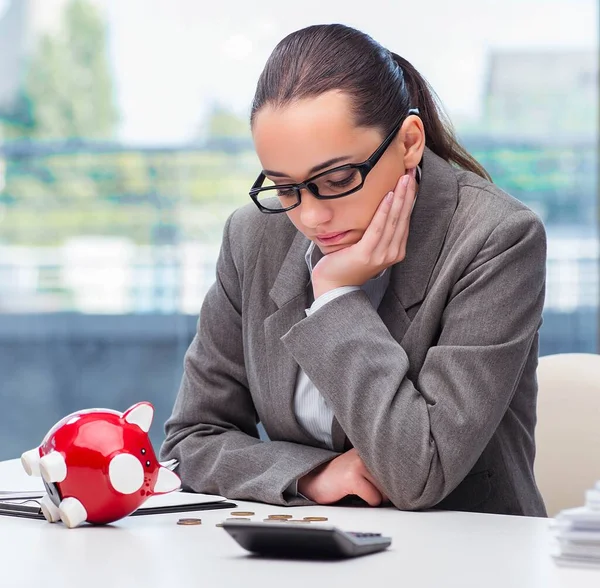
(568, 429)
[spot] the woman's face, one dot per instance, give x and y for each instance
(303, 135)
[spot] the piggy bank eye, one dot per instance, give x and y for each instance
(143, 452)
(148, 464)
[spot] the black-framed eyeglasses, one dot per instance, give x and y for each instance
(334, 183)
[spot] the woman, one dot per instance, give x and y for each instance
(386, 337)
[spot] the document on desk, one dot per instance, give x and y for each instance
(20, 495)
(183, 501)
(14, 479)
(26, 505)
(23, 495)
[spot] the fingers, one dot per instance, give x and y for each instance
(374, 231)
(384, 241)
(366, 490)
(398, 244)
(385, 251)
(367, 474)
(409, 198)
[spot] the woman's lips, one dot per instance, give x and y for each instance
(331, 238)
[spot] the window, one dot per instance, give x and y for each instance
(124, 146)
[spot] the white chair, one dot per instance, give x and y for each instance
(568, 430)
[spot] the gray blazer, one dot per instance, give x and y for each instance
(436, 389)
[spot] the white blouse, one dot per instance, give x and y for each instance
(311, 409)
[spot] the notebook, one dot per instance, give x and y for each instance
(24, 504)
(20, 496)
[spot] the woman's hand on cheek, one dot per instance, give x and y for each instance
(382, 245)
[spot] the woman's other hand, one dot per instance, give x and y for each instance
(340, 477)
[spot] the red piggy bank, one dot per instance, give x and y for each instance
(99, 466)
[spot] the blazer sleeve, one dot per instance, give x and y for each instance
(212, 430)
(421, 438)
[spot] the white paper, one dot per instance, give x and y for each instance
(4, 496)
(14, 479)
(179, 499)
(576, 562)
(579, 518)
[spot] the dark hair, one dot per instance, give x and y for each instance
(382, 86)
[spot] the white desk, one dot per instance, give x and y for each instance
(434, 549)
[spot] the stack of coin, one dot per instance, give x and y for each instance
(272, 518)
(279, 517)
(189, 522)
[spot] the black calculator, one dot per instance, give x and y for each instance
(303, 540)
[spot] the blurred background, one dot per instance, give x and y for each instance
(124, 146)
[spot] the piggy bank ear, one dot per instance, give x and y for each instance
(140, 414)
(167, 481)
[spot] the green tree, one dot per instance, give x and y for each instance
(68, 90)
(226, 131)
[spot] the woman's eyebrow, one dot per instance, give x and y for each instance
(312, 170)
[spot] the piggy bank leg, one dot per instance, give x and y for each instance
(50, 510)
(30, 461)
(53, 467)
(72, 512)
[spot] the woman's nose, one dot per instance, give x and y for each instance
(314, 212)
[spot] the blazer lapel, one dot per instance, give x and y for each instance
(434, 208)
(435, 205)
(291, 292)
(436, 202)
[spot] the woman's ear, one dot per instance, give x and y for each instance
(412, 135)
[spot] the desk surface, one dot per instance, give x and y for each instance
(430, 549)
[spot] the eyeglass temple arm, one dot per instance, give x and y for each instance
(259, 181)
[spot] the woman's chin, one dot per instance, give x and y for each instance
(327, 249)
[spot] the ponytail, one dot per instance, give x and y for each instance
(439, 134)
